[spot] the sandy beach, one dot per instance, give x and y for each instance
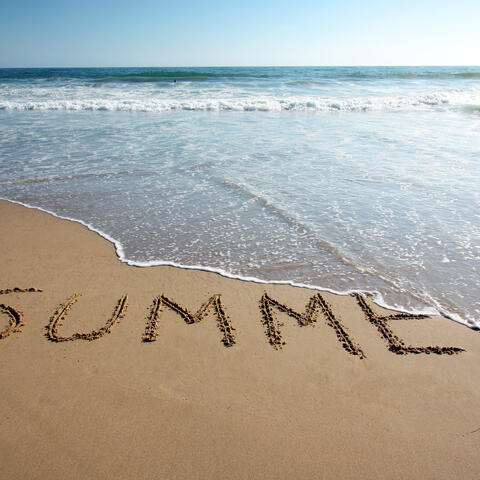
(113, 371)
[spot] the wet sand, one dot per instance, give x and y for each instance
(113, 371)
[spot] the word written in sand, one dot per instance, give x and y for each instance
(315, 306)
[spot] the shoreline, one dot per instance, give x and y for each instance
(376, 296)
(161, 372)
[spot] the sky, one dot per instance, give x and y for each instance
(53, 33)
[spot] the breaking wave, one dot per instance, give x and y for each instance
(451, 100)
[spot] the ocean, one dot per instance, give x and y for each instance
(339, 178)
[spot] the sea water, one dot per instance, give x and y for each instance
(352, 178)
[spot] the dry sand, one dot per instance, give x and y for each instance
(200, 400)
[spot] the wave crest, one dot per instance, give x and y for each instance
(252, 104)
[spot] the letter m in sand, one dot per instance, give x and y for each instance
(214, 302)
(315, 305)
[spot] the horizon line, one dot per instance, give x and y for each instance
(248, 66)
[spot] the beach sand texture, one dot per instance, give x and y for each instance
(113, 371)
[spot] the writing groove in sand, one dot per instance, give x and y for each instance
(214, 302)
(61, 313)
(315, 305)
(396, 344)
(15, 317)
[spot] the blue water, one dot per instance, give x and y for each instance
(341, 178)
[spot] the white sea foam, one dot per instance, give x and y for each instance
(376, 296)
(128, 102)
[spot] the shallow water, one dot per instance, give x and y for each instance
(346, 179)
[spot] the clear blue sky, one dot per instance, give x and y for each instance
(249, 32)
